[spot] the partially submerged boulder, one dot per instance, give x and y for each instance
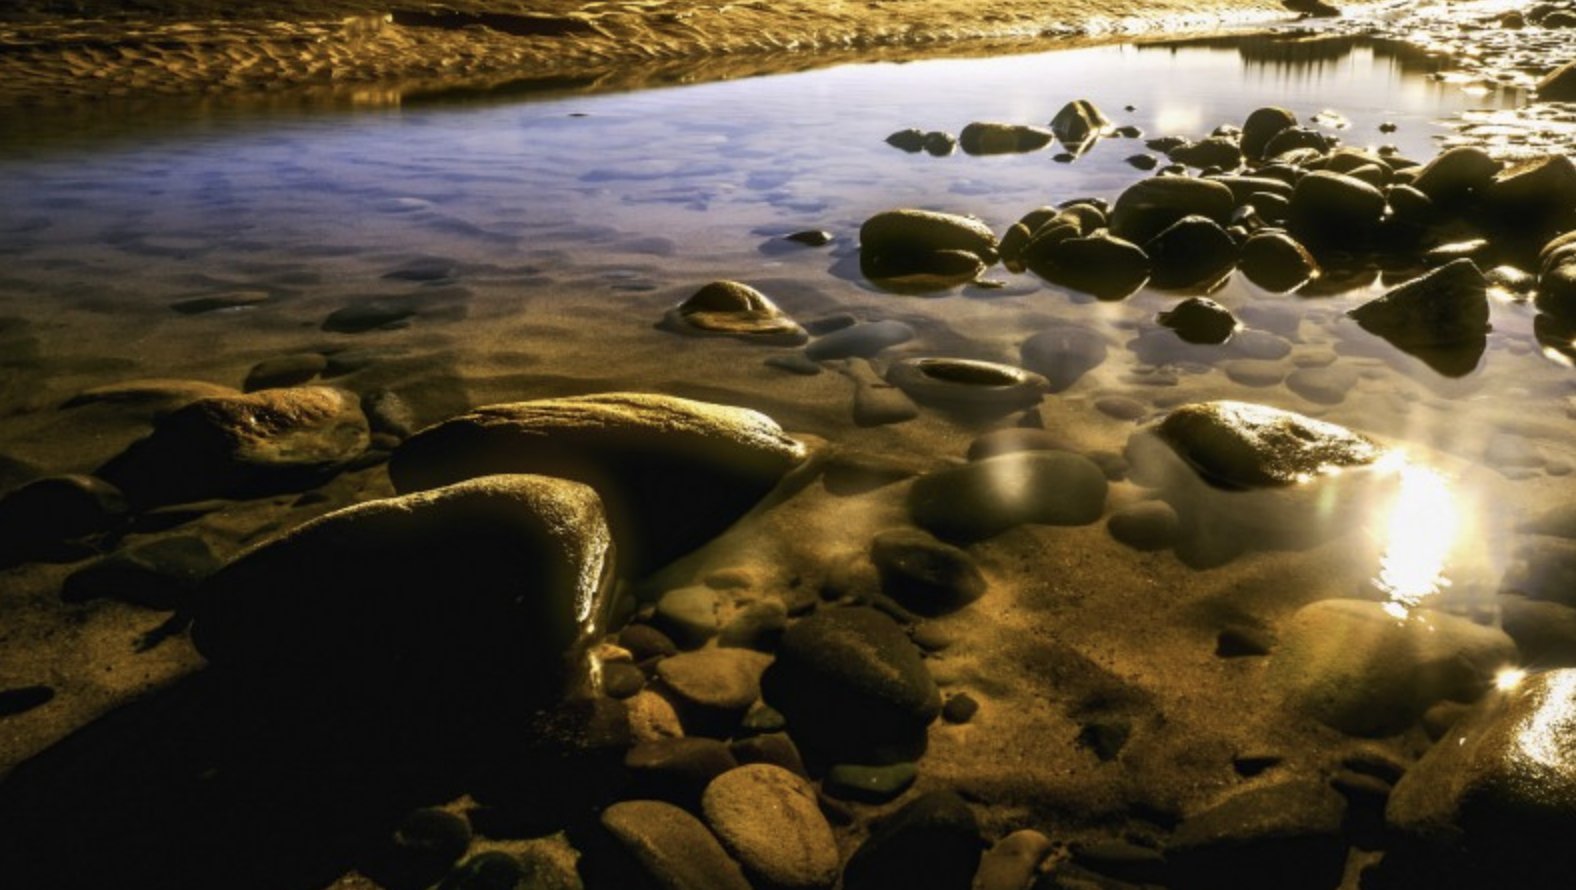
(1148, 206)
(673, 472)
(1244, 445)
(732, 309)
(990, 138)
(1078, 124)
(1442, 308)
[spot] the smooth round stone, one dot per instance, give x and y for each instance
(622, 680)
(1277, 262)
(960, 708)
(677, 770)
(924, 574)
(810, 237)
(1297, 145)
(1333, 204)
(1557, 287)
(852, 684)
(1147, 525)
(933, 841)
(1241, 444)
(1194, 251)
(926, 231)
(1121, 407)
(1063, 354)
(729, 308)
(859, 341)
(939, 143)
(688, 615)
(921, 271)
(1077, 122)
(651, 717)
(1200, 320)
(429, 840)
(718, 679)
(1215, 151)
(869, 784)
(286, 370)
(966, 383)
(910, 139)
(757, 626)
(673, 848)
(1262, 125)
(1148, 206)
(990, 138)
(1102, 264)
(984, 498)
(1457, 172)
(1411, 207)
(768, 818)
(1445, 307)
(1356, 666)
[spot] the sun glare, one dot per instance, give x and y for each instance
(1421, 530)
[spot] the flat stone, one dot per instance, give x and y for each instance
(1326, 386)
(966, 383)
(852, 684)
(1011, 863)
(1240, 444)
(673, 472)
(674, 849)
(932, 841)
(768, 818)
(1360, 668)
(1101, 264)
(1262, 125)
(688, 615)
(717, 679)
(757, 626)
(926, 231)
(228, 300)
(37, 517)
(1456, 172)
(155, 397)
(984, 498)
(676, 770)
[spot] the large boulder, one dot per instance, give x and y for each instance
(853, 686)
(1277, 262)
(1361, 668)
(1285, 835)
(1493, 803)
(1334, 206)
(499, 580)
(1456, 173)
(242, 446)
(1446, 307)
(672, 472)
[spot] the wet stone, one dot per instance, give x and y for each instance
(1147, 525)
(851, 683)
(1455, 173)
(1240, 444)
(860, 340)
(21, 699)
(286, 370)
(910, 140)
(810, 237)
(1445, 307)
(1200, 320)
(1063, 354)
(932, 841)
(959, 708)
(1262, 125)
(1194, 251)
(869, 784)
(672, 848)
(1147, 207)
(1101, 264)
(984, 498)
(966, 384)
(924, 574)
(1277, 262)
(768, 818)
(925, 231)
(732, 309)
(988, 138)
(715, 679)
(40, 516)
(1121, 407)
(622, 680)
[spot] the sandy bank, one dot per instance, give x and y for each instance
(194, 47)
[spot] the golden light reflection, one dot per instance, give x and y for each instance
(1544, 736)
(1509, 678)
(1422, 528)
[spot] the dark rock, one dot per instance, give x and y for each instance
(1263, 125)
(1142, 162)
(939, 144)
(43, 515)
(985, 498)
(1063, 354)
(1286, 835)
(924, 574)
(1194, 251)
(984, 138)
(1445, 307)
(427, 842)
(242, 446)
(644, 641)
(1455, 173)
(1101, 264)
(771, 746)
(897, 232)
(810, 237)
(731, 309)
(1011, 863)
(1243, 445)
(1277, 262)
(1079, 123)
(1200, 320)
(852, 684)
(869, 784)
(1146, 525)
(286, 370)
(1216, 151)
(673, 472)
(158, 574)
(493, 870)
(959, 708)
(933, 841)
(860, 340)
(1122, 860)
(1411, 207)
(1335, 206)
(768, 818)
(502, 577)
(1557, 286)
(370, 315)
(910, 140)
(920, 271)
(21, 699)
(673, 849)
(1148, 206)
(676, 770)
(1537, 193)
(1559, 85)
(966, 383)
(621, 679)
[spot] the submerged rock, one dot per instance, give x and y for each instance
(1445, 307)
(672, 849)
(1244, 445)
(731, 309)
(853, 686)
(673, 472)
(1286, 835)
(1357, 666)
(924, 574)
(1536, 193)
(1334, 206)
(768, 818)
(1200, 320)
(503, 577)
(242, 446)
(984, 498)
(861, 340)
(985, 138)
(966, 384)
(1078, 123)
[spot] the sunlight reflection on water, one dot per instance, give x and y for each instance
(1421, 531)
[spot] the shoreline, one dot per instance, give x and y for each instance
(375, 56)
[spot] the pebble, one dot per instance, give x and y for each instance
(869, 784)
(1101, 264)
(768, 818)
(1063, 354)
(370, 315)
(1078, 122)
(1262, 125)
(862, 340)
(810, 237)
(908, 231)
(983, 498)
(733, 309)
(924, 574)
(672, 848)
(715, 679)
(688, 615)
(933, 841)
(700, 465)
(1146, 525)
(852, 684)
(644, 641)
(966, 383)
(959, 708)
